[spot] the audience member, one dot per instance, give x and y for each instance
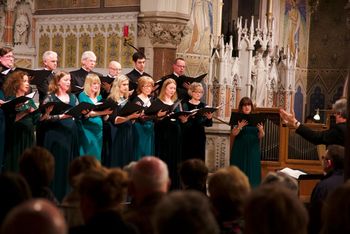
(193, 175)
(185, 212)
(71, 202)
(336, 211)
(149, 183)
(333, 166)
(283, 179)
(274, 209)
(37, 165)
(228, 190)
(101, 194)
(36, 216)
(14, 190)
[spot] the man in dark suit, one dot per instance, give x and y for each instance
(7, 62)
(42, 78)
(88, 63)
(138, 71)
(179, 66)
(334, 135)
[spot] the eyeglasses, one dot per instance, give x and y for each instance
(181, 66)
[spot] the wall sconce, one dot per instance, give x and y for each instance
(317, 116)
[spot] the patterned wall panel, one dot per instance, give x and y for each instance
(71, 35)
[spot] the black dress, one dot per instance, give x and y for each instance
(168, 145)
(194, 138)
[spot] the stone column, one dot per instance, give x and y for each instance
(160, 29)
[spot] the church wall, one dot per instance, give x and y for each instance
(328, 55)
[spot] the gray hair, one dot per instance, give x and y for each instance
(49, 53)
(340, 107)
(88, 55)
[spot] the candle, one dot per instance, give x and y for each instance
(126, 31)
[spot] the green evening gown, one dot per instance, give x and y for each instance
(245, 154)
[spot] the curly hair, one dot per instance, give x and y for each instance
(13, 82)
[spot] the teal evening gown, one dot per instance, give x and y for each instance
(61, 139)
(143, 135)
(245, 154)
(90, 131)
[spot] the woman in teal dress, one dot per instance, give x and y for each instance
(144, 127)
(90, 127)
(61, 132)
(245, 144)
(20, 124)
(122, 139)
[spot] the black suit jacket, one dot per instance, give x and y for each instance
(334, 135)
(134, 76)
(41, 79)
(78, 79)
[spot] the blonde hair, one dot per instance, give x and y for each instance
(142, 81)
(53, 86)
(193, 87)
(115, 94)
(162, 91)
(89, 80)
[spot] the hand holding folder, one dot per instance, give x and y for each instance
(253, 119)
(11, 105)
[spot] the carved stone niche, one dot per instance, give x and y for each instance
(161, 34)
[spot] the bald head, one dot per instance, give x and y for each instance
(114, 69)
(150, 174)
(36, 216)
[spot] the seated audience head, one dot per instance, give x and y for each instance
(36, 216)
(340, 110)
(193, 175)
(228, 190)
(37, 165)
(149, 175)
(334, 158)
(280, 178)
(186, 212)
(80, 165)
(336, 211)
(274, 209)
(101, 190)
(14, 190)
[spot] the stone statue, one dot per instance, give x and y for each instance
(21, 30)
(259, 80)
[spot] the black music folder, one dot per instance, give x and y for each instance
(253, 119)
(185, 113)
(10, 105)
(105, 104)
(193, 79)
(77, 110)
(208, 109)
(129, 108)
(58, 108)
(158, 105)
(107, 79)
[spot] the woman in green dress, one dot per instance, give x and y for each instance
(61, 132)
(245, 144)
(20, 124)
(90, 127)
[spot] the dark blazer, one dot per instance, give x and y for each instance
(78, 79)
(134, 76)
(334, 135)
